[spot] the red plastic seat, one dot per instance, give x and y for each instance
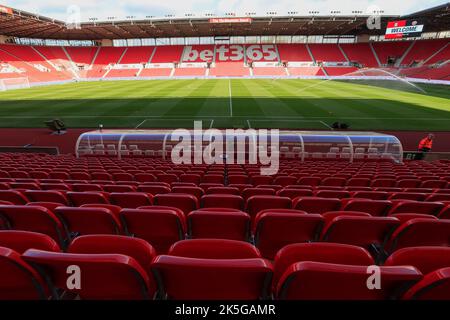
(145, 177)
(81, 187)
(340, 194)
(237, 179)
(136, 248)
(383, 183)
(316, 204)
(367, 232)
(250, 192)
(434, 184)
(327, 281)
(223, 190)
(13, 196)
(195, 191)
(309, 181)
(183, 278)
(223, 224)
(318, 252)
(444, 213)
(24, 185)
(408, 206)
(425, 259)
(294, 193)
(255, 204)
(34, 219)
(222, 201)
(194, 178)
(330, 215)
(154, 189)
(20, 241)
(161, 228)
(433, 286)
(103, 276)
(56, 186)
(118, 188)
(274, 230)
(334, 181)
(214, 249)
(80, 198)
(47, 196)
(403, 217)
(374, 195)
(285, 180)
(374, 207)
(258, 180)
(358, 182)
(185, 202)
(420, 232)
(122, 176)
(438, 197)
(409, 183)
(131, 200)
(87, 220)
(407, 196)
(19, 280)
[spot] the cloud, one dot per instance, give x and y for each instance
(141, 8)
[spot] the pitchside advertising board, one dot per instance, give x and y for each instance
(403, 29)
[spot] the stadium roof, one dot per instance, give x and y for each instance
(22, 24)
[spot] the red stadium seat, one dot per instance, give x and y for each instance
(222, 201)
(316, 204)
(136, 248)
(223, 190)
(104, 276)
(34, 219)
(420, 232)
(374, 195)
(181, 278)
(20, 281)
(318, 252)
(214, 249)
(161, 228)
(294, 193)
(130, 200)
(87, 220)
(81, 187)
(223, 224)
(195, 191)
(13, 196)
(416, 207)
(47, 196)
(433, 286)
(154, 189)
(407, 196)
(257, 203)
(425, 259)
(250, 192)
(326, 281)
(374, 207)
(80, 198)
(340, 194)
(367, 232)
(274, 230)
(20, 241)
(185, 202)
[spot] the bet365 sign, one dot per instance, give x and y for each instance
(230, 53)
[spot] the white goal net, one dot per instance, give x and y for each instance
(14, 83)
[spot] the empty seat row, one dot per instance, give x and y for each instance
(117, 267)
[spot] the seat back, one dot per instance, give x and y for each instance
(130, 200)
(274, 230)
(161, 228)
(222, 201)
(326, 281)
(433, 286)
(182, 278)
(214, 249)
(316, 205)
(185, 202)
(234, 225)
(103, 276)
(19, 280)
(20, 241)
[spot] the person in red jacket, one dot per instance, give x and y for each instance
(425, 145)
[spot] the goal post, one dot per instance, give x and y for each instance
(14, 83)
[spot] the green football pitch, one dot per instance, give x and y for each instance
(235, 103)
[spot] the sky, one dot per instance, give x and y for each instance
(120, 9)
